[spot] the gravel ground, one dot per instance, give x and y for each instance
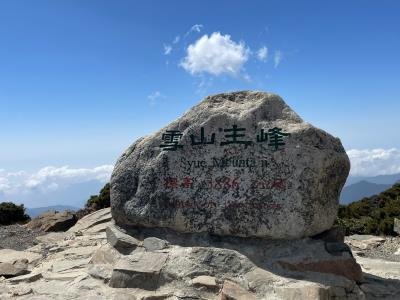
(17, 237)
(385, 250)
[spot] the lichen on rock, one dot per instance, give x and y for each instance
(239, 164)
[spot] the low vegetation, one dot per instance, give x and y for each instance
(372, 215)
(96, 202)
(11, 213)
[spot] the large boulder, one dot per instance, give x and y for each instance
(241, 164)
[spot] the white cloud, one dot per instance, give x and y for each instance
(153, 97)
(196, 28)
(167, 49)
(50, 179)
(373, 162)
(216, 55)
(262, 54)
(176, 39)
(277, 58)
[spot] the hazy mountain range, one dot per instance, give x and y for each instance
(75, 196)
(34, 212)
(357, 188)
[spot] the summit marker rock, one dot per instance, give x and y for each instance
(239, 164)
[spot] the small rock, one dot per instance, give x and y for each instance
(51, 237)
(140, 271)
(207, 281)
(153, 243)
(364, 242)
(120, 240)
(232, 291)
(10, 256)
(19, 267)
(21, 291)
(100, 271)
(123, 296)
(396, 226)
(106, 254)
(303, 290)
(26, 278)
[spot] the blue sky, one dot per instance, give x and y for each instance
(81, 80)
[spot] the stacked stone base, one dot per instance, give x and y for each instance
(195, 266)
(96, 260)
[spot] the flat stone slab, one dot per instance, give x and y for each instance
(26, 278)
(10, 256)
(140, 271)
(120, 240)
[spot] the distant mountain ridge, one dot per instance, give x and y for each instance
(36, 211)
(380, 179)
(74, 195)
(357, 187)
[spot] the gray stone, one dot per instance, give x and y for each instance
(95, 222)
(105, 255)
(242, 189)
(19, 267)
(303, 291)
(10, 256)
(207, 281)
(123, 296)
(53, 221)
(152, 244)
(364, 242)
(120, 240)
(26, 278)
(141, 271)
(21, 291)
(232, 291)
(100, 271)
(396, 226)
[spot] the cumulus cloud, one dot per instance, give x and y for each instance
(373, 162)
(50, 179)
(262, 54)
(216, 55)
(278, 55)
(167, 49)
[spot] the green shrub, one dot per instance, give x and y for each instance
(96, 202)
(102, 200)
(372, 215)
(11, 213)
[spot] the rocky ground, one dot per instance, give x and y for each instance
(18, 237)
(387, 248)
(97, 260)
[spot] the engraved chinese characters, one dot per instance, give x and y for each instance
(241, 164)
(172, 138)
